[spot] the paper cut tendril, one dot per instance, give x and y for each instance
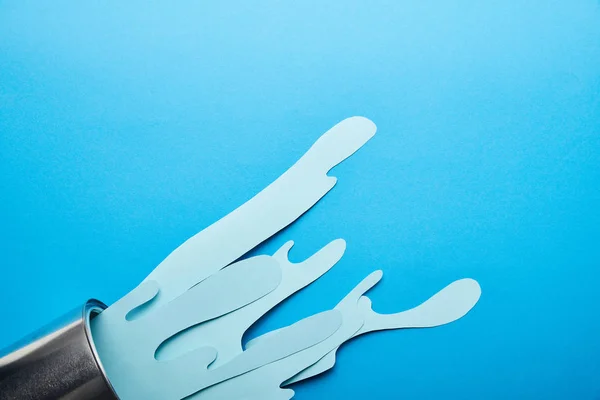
(178, 335)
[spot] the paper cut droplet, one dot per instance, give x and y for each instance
(226, 333)
(178, 334)
(448, 305)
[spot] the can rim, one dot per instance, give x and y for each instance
(91, 309)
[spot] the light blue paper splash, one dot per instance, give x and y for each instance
(275, 207)
(179, 333)
(446, 306)
(226, 333)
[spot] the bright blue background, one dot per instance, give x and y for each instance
(126, 127)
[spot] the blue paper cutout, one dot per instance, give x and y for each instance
(288, 341)
(225, 333)
(448, 305)
(269, 377)
(178, 334)
(451, 303)
(127, 348)
(275, 207)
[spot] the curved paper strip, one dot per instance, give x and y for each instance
(277, 394)
(449, 304)
(126, 348)
(278, 205)
(266, 379)
(348, 303)
(228, 290)
(288, 341)
(143, 294)
(225, 333)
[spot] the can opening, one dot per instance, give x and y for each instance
(91, 310)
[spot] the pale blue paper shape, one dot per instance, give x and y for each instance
(225, 333)
(446, 306)
(288, 341)
(449, 304)
(126, 348)
(275, 394)
(178, 335)
(265, 381)
(209, 251)
(275, 207)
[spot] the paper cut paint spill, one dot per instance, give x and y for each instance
(179, 333)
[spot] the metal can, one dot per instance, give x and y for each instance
(57, 362)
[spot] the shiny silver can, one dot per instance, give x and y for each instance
(58, 362)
